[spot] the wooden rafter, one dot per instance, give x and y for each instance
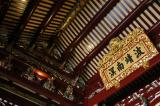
(46, 21)
(32, 5)
(55, 65)
(96, 19)
(115, 32)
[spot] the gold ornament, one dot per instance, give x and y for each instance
(137, 46)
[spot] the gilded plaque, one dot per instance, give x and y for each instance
(125, 57)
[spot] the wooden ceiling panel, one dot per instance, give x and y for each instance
(59, 18)
(33, 25)
(79, 23)
(79, 46)
(54, 23)
(46, 5)
(13, 16)
(18, 14)
(64, 10)
(50, 31)
(47, 20)
(16, 9)
(73, 1)
(66, 7)
(28, 30)
(49, 1)
(43, 8)
(38, 15)
(38, 11)
(35, 20)
(69, 3)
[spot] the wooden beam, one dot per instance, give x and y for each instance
(21, 92)
(46, 21)
(93, 84)
(61, 84)
(37, 89)
(12, 98)
(115, 32)
(53, 39)
(95, 20)
(55, 66)
(32, 5)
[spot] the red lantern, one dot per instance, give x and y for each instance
(40, 74)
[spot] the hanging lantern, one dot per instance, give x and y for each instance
(40, 74)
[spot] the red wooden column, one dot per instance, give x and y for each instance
(105, 94)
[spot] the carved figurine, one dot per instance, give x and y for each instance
(49, 84)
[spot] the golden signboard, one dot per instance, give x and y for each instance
(125, 57)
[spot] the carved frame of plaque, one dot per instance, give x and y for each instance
(118, 49)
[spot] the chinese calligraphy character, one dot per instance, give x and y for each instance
(120, 66)
(112, 72)
(128, 58)
(138, 52)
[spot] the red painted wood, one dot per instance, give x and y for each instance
(146, 95)
(134, 102)
(154, 34)
(105, 94)
(94, 83)
(37, 89)
(155, 102)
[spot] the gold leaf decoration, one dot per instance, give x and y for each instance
(125, 57)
